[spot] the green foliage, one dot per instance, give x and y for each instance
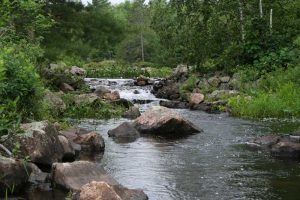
(188, 86)
(96, 110)
(111, 69)
(9, 118)
(19, 81)
(275, 95)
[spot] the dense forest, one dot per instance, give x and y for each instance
(219, 56)
(258, 38)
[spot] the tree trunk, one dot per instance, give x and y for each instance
(271, 19)
(261, 9)
(142, 47)
(242, 20)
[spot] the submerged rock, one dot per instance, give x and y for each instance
(287, 146)
(124, 132)
(162, 121)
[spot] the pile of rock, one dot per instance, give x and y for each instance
(43, 145)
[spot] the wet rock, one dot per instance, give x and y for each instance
(132, 113)
(69, 151)
(14, 175)
(66, 88)
(77, 71)
(75, 177)
(101, 91)
(72, 176)
(287, 146)
(136, 92)
(55, 102)
(125, 131)
(196, 98)
(162, 121)
(174, 104)
(202, 106)
(37, 177)
(91, 142)
(286, 149)
(85, 99)
(39, 142)
(123, 102)
(267, 141)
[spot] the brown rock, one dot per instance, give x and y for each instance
(165, 122)
(132, 113)
(196, 98)
(98, 191)
(69, 152)
(125, 130)
(77, 71)
(91, 142)
(114, 96)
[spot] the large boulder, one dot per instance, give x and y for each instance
(14, 174)
(132, 113)
(69, 151)
(39, 142)
(124, 132)
(162, 121)
(72, 176)
(75, 177)
(55, 101)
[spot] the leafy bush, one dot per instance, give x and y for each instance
(188, 86)
(19, 82)
(112, 69)
(96, 110)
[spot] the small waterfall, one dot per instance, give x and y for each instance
(138, 95)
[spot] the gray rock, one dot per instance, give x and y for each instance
(124, 131)
(132, 113)
(162, 121)
(55, 101)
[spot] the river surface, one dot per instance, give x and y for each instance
(212, 165)
(215, 164)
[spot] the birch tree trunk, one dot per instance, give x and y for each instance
(142, 47)
(242, 20)
(271, 19)
(261, 9)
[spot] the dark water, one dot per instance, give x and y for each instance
(214, 164)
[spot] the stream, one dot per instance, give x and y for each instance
(215, 164)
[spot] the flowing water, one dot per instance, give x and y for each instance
(214, 164)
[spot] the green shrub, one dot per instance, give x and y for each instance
(19, 82)
(276, 95)
(188, 86)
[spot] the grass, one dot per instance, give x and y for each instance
(276, 96)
